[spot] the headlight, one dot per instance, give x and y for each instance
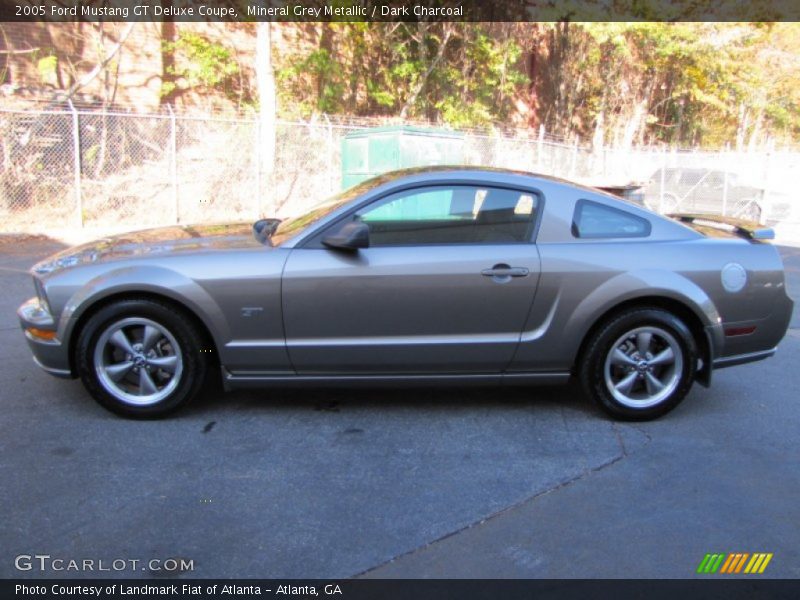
(41, 295)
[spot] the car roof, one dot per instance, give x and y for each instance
(472, 170)
(471, 175)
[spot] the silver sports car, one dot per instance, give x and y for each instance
(436, 275)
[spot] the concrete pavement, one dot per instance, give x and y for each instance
(422, 483)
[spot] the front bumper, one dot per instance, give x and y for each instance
(50, 354)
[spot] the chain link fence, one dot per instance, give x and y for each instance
(87, 168)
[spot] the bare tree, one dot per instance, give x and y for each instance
(421, 38)
(265, 77)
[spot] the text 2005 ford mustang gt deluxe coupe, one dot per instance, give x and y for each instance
(453, 275)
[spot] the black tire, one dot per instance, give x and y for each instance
(600, 370)
(187, 344)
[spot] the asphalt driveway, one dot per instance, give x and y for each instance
(420, 483)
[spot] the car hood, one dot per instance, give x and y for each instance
(151, 242)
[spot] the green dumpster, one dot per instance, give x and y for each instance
(373, 151)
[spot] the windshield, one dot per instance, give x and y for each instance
(293, 226)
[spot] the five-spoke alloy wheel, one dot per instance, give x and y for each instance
(141, 358)
(639, 364)
(138, 361)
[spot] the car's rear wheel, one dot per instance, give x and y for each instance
(640, 364)
(141, 358)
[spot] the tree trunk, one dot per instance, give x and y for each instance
(357, 40)
(741, 126)
(534, 79)
(168, 37)
(265, 78)
(756, 133)
(634, 123)
(424, 78)
(326, 45)
(599, 136)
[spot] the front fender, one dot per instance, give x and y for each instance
(159, 280)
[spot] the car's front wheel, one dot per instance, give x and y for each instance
(141, 358)
(640, 364)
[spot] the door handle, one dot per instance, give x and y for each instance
(502, 271)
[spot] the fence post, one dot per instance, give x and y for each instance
(726, 164)
(258, 168)
(574, 162)
(331, 173)
(540, 149)
(663, 180)
(765, 199)
(173, 165)
(76, 151)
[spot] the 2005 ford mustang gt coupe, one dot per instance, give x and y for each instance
(455, 275)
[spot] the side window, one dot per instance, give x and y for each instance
(451, 215)
(595, 220)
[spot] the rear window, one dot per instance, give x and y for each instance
(595, 220)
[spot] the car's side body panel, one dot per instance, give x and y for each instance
(304, 312)
(578, 287)
(584, 279)
(235, 293)
(403, 310)
(580, 283)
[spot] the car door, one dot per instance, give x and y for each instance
(444, 287)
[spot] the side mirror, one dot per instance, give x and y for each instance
(352, 236)
(263, 228)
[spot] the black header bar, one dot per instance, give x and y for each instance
(745, 588)
(235, 11)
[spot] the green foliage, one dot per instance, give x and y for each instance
(486, 86)
(620, 82)
(91, 154)
(200, 63)
(47, 68)
(317, 79)
(389, 68)
(378, 94)
(699, 82)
